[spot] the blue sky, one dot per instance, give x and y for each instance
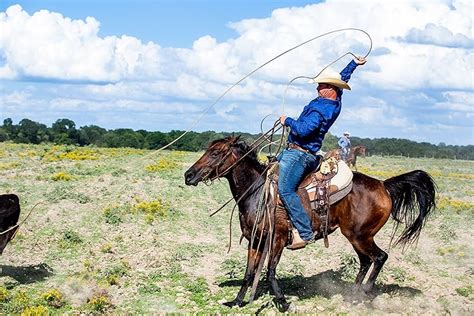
(157, 65)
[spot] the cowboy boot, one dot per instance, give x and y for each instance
(297, 242)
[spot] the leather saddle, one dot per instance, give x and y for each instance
(333, 170)
(339, 177)
(320, 189)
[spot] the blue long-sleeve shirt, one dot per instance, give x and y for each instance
(309, 129)
(344, 142)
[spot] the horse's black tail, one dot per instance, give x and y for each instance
(411, 191)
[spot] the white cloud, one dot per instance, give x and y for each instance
(433, 55)
(372, 111)
(438, 35)
(48, 45)
(16, 98)
(458, 101)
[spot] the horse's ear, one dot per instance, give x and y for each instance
(235, 140)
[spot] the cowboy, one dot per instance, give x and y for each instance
(305, 139)
(344, 145)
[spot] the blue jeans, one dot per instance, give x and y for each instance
(294, 165)
(344, 153)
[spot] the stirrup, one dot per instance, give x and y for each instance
(297, 242)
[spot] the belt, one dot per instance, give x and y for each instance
(294, 146)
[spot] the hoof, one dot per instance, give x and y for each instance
(281, 304)
(234, 303)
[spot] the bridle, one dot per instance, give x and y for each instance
(206, 179)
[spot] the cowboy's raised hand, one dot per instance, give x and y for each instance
(282, 120)
(360, 60)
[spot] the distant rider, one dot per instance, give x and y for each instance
(345, 145)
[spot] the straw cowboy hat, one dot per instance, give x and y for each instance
(346, 133)
(331, 77)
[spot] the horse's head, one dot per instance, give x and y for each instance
(361, 150)
(215, 163)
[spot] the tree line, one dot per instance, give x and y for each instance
(64, 131)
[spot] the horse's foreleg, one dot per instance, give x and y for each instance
(273, 261)
(253, 259)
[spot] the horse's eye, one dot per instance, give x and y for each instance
(215, 154)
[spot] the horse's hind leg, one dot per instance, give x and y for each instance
(275, 256)
(368, 252)
(365, 263)
(253, 258)
(379, 257)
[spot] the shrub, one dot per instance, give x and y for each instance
(465, 291)
(455, 205)
(61, 176)
(152, 209)
(70, 238)
(106, 248)
(9, 165)
(99, 302)
(4, 294)
(112, 215)
(53, 298)
(113, 274)
(349, 267)
(20, 301)
(80, 154)
(162, 165)
(39, 310)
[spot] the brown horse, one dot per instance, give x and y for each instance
(353, 153)
(409, 198)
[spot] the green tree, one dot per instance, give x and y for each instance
(64, 132)
(91, 134)
(32, 132)
(9, 129)
(155, 140)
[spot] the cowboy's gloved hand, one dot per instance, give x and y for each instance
(360, 60)
(282, 120)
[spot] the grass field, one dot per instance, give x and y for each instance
(117, 231)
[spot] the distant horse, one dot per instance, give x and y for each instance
(409, 198)
(353, 153)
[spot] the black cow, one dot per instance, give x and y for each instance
(9, 215)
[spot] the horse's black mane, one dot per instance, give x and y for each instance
(243, 148)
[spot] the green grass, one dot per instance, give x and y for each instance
(121, 238)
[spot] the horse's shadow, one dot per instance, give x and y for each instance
(27, 274)
(326, 284)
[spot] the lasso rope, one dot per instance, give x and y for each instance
(270, 140)
(198, 119)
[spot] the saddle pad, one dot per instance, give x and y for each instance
(340, 185)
